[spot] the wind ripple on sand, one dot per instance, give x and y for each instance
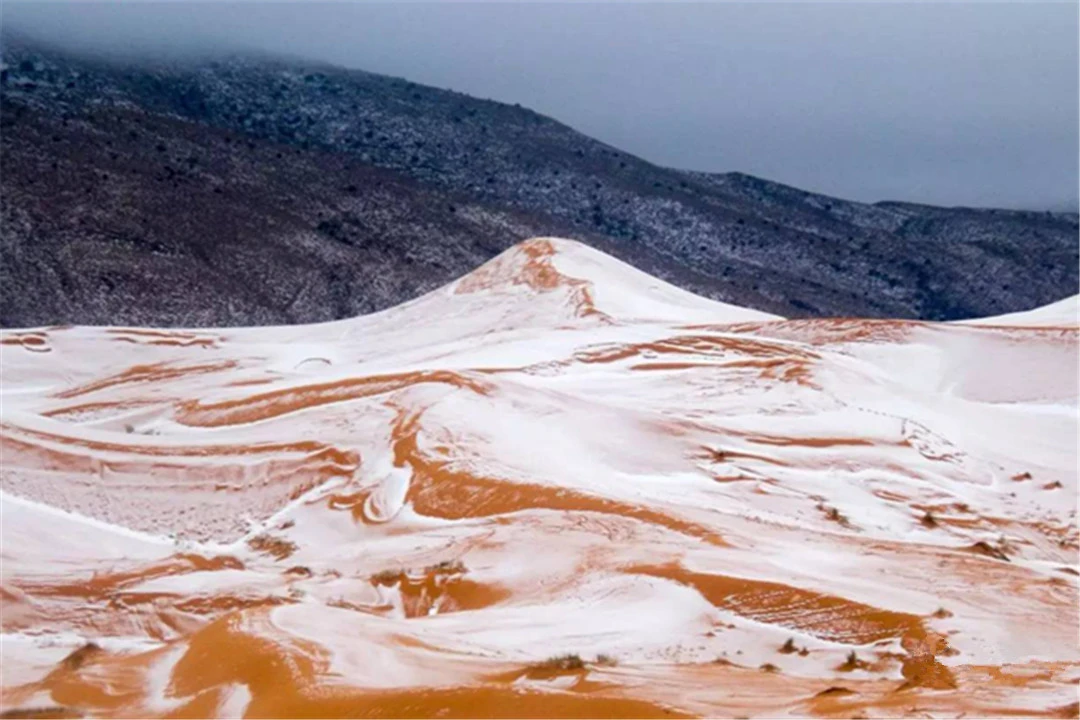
(555, 488)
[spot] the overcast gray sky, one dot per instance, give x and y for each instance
(947, 103)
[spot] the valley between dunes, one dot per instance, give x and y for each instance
(557, 487)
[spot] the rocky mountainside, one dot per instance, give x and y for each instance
(255, 190)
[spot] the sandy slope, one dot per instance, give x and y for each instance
(1064, 312)
(407, 513)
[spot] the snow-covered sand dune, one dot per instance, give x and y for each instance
(711, 510)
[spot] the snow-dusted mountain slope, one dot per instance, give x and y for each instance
(555, 487)
(249, 189)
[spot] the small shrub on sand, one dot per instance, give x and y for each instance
(606, 660)
(834, 515)
(279, 548)
(446, 567)
(770, 668)
(928, 520)
(560, 662)
(852, 662)
(788, 647)
(984, 548)
(717, 455)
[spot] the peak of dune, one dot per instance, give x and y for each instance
(556, 487)
(1063, 313)
(595, 284)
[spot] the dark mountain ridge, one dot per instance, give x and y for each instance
(252, 190)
